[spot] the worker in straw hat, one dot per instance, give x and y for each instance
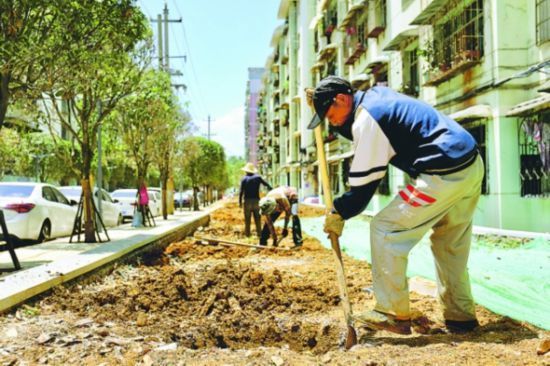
(279, 200)
(250, 190)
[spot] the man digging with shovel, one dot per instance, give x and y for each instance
(387, 127)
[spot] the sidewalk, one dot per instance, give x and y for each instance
(49, 264)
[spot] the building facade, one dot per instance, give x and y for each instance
(254, 85)
(483, 62)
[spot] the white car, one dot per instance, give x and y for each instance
(36, 211)
(110, 211)
(155, 201)
(127, 201)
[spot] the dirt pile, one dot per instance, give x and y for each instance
(209, 305)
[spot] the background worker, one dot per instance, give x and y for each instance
(250, 190)
(279, 200)
(391, 128)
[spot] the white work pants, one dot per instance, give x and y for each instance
(446, 204)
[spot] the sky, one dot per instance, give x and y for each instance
(221, 39)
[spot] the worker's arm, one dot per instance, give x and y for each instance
(269, 224)
(241, 193)
(285, 206)
(373, 152)
(266, 184)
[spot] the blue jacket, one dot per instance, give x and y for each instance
(388, 127)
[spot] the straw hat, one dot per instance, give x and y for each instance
(249, 168)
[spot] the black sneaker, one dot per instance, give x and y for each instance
(458, 326)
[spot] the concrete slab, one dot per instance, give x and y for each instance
(49, 264)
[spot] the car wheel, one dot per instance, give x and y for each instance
(45, 232)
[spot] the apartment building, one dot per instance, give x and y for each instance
(483, 62)
(251, 114)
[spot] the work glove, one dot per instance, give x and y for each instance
(285, 232)
(334, 223)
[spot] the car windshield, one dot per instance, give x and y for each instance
(15, 191)
(70, 191)
(128, 194)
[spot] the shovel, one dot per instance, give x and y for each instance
(351, 338)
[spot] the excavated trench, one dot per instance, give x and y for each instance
(209, 299)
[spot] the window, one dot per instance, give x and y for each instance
(411, 85)
(534, 155)
(543, 21)
(458, 36)
(48, 194)
(478, 130)
(334, 177)
(60, 197)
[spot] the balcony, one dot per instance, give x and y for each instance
(463, 60)
(355, 53)
(377, 18)
(326, 52)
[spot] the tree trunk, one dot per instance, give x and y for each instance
(4, 96)
(89, 232)
(163, 182)
(195, 199)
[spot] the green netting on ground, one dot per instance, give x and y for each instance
(509, 281)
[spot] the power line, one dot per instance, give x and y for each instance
(201, 98)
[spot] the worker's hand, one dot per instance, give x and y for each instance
(285, 232)
(334, 223)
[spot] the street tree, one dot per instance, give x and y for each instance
(202, 163)
(146, 120)
(109, 49)
(167, 135)
(26, 31)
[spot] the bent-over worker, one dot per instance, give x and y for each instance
(279, 200)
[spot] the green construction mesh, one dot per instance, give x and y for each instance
(512, 281)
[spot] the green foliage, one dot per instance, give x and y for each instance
(12, 155)
(202, 162)
(148, 121)
(48, 159)
(234, 166)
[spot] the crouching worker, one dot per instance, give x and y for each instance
(279, 200)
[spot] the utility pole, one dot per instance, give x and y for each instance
(209, 121)
(159, 31)
(163, 41)
(166, 52)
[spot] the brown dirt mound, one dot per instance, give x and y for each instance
(206, 305)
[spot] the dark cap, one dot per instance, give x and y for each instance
(324, 95)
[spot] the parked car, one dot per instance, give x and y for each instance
(183, 199)
(36, 211)
(110, 211)
(155, 201)
(127, 199)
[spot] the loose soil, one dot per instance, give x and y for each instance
(196, 304)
